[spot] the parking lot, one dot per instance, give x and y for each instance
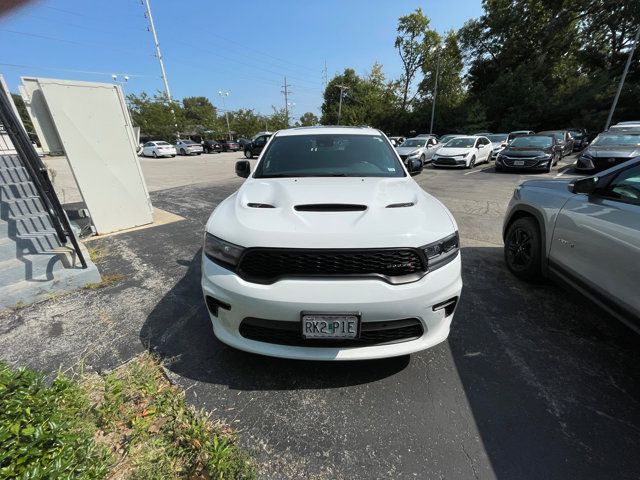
(533, 382)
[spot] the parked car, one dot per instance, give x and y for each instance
(230, 145)
(445, 138)
(188, 147)
(158, 149)
(481, 134)
(463, 152)
(583, 232)
(421, 148)
(534, 152)
(608, 149)
(396, 141)
(211, 146)
(243, 142)
(625, 125)
(580, 138)
(257, 144)
(498, 142)
(564, 140)
(331, 251)
(518, 133)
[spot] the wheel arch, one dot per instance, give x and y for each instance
(522, 211)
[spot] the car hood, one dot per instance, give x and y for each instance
(555, 185)
(613, 151)
(516, 152)
(452, 152)
(407, 150)
(378, 226)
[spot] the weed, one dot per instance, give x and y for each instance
(20, 305)
(98, 254)
(107, 279)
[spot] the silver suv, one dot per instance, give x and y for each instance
(585, 233)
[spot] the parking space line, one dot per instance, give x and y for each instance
(477, 171)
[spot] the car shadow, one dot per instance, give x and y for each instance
(179, 331)
(551, 380)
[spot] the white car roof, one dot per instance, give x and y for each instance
(329, 130)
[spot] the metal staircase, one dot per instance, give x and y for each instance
(39, 254)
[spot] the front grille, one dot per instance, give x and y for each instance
(445, 161)
(267, 265)
(403, 157)
(528, 161)
(371, 333)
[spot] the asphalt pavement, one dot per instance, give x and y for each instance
(533, 382)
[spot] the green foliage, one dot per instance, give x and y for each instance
(156, 117)
(130, 424)
(199, 114)
(46, 431)
(307, 119)
(24, 115)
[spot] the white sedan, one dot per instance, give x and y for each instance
(331, 251)
(188, 147)
(158, 149)
(463, 152)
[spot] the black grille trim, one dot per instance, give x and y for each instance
(393, 265)
(371, 333)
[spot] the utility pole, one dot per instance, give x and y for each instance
(324, 74)
(435, 92)
(624, 76)
(342, 89)
(226, 114)
(158, 52)
(163, 72)
(286, 93)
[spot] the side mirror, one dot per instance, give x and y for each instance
(584, 185)
(243, 168)
(414, 166)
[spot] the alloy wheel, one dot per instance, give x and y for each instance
(519, 251)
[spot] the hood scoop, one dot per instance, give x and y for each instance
(400, 205)
(330, 207)
(259, 205)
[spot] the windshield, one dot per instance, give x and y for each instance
(414, 142)
(162, 144)
(502, 137)
(618, 139)
(532, 141)
(444, 139)
(558, 135)
(575, 133)
(461, 143)
(189, 142)
(326, 155)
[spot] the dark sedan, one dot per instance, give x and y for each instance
(580, 138)
(530, 152)
(211, 146)
(230, 145)
(609, 149)
(564, 140)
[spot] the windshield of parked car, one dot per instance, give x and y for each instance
(575, 133)
(557, 134)
(189, 142)
(495, 138)
(632, 139)
(445, 138)
(534, 141)
(414, 142)
(328, 155)
(163, 144)
(461, 143)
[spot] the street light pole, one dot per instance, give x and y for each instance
(342, 89)
(226, 114)
(624, 76)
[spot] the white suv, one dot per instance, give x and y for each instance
(330, 251)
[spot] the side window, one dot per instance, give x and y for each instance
(431, 142)
(260, 141)
(148, 144)
(625, 187)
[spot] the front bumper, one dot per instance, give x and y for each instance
(529, 164)
(376, 301)
(448, 162)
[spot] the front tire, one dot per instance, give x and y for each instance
(422, 159)
(472, 163)
(248, 154)
(523, 249)
(182, 152)
(155, 155)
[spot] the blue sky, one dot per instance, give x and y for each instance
(244, 47)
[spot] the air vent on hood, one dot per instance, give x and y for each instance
(259, 205)
(401, 205)
(330, 207)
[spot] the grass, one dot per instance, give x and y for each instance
(98, 254)
(131, 423)
(107, 279)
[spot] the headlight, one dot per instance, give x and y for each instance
(414, 154)
(221, 252)
(442, 252)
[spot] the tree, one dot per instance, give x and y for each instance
(307, 119)
(199, 112)
(156, 117)
(24, 115)
(414, 42)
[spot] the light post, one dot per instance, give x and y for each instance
(226, 114)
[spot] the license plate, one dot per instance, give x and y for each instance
(518, 163)
(330, 325)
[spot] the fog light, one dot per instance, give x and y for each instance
(214, 304)
(448, 306)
